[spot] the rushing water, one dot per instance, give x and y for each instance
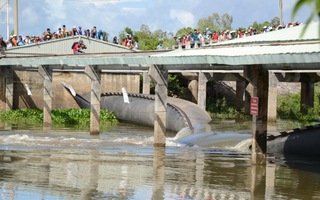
(122, 163)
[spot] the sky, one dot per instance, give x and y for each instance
(112, 16)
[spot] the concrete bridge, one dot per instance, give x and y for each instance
(258, 62)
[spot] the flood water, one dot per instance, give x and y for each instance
(122, 163)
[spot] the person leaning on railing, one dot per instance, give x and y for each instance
(3, 45)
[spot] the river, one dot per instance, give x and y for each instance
(121, 163)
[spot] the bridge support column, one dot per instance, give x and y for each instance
(202, 90)
(47, 96)
(307, 93)
(193, 87)
(259, 78)
(146, 83)
(2, 89)
(273, 96)
(160, 76)
(247, 98)
(9, 88)
(95, 97)
(240, 95)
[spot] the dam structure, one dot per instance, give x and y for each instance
(256, 63)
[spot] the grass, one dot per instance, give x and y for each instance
(60, 117)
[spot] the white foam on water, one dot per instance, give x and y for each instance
(26, 140)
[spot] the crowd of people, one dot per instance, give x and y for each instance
(63, 32)
(196, 37)
(208, 36)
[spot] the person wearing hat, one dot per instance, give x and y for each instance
(77, 47)
(80, 31)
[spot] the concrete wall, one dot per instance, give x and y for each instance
(61, 98)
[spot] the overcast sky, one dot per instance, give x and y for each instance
(112, 16)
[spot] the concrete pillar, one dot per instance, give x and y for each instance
(193, 87)
(2, 89)
(273, 96)
(160, 76)
(95, 97)
(307, 93)
(240, 95)
(202, 90)
(259, 78)
(47, 96)
(247, 98)
(146, 83)
(9, 89)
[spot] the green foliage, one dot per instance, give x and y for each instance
(175, 88)
(148, 44)
(289, 108)
(60, 117)
(218, 108)
(216, 22)
(184, 31)
(315, 4)
(275, 22)
(24, 116)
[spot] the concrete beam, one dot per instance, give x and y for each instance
(160, 77)
(94, 99)
(259, 78)
(46, 74)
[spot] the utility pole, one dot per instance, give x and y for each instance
(15, 7)
(280, 6)
(8, 31)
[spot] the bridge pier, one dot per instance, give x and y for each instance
(160, 76)
(46, 74)
(307, 93)
(193, 88)
(202, 90)
(9, 88)
(2, 89)
(146, 83)
(259, 78)
(240, 94)
(273, 97)
(95, 97)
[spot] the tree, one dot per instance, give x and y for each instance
(226, 21)
(184, 31)
(215, 22)
(314, 14)
(275, 21)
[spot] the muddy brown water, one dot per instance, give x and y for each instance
(122, 163)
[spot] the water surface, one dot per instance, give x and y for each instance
(122, 163)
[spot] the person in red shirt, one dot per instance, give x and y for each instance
(77, 47)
